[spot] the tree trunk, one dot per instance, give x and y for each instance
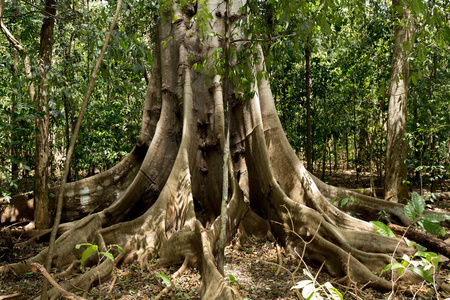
(309, 162)
(170, 202)
(395, 185)
(42, 123)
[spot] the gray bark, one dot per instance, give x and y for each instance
(395, 185)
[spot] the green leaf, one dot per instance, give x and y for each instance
(421, 54)
(418, 203)
(424, 274)
(335, 294)
(420, 247)
(343, 202)
(413, 79)
(436, 218)
(433, 228)
(382, 229)
(78, 246)
(120, 249)
(86, 253)
(108, 255)
(410, 213)
(164, 278)
(415, 6)
(393, 266)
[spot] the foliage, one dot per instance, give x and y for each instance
(165, 279)
(94, 249)
(311, 290)
(413, 211)
(423, 263)
(108, 132)
(344, 201)
(233, 281)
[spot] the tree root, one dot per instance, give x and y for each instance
(164, 292)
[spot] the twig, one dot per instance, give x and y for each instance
(63, 292)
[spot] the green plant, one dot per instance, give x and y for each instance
(422, 262)
(94, 248)
(165, 279)
(233, 281)
(343, 202)
(312, 291)
(414, 212)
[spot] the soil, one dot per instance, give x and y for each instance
(250, 270)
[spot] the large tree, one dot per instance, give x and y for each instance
(395, 185)
(164, 199)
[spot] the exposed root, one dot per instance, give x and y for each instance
(99, 274)
(164, 292)
(182, 268)
(279, 259)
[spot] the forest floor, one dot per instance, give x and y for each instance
(250, 272)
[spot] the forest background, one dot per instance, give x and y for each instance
(349, 51)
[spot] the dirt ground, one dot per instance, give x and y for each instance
(251, 272)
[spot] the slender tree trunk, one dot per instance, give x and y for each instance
(355, 138)
(396, 174)
(309, 165)
(225, 143)
(329, 154)
(15, 153)
(324, 156)
(347, 158)
(433, 153)
(42, 123)
(336, 163)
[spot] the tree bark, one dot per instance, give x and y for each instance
(395, 184)
(309, 165)
(41, 217)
